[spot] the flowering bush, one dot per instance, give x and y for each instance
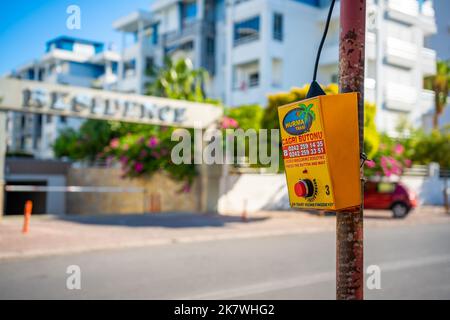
(145, 153)
(390, 159)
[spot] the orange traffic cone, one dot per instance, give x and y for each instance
(27, 216)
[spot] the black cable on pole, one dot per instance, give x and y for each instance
(327, 25)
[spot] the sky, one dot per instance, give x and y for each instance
(26, 25)
(441, 41)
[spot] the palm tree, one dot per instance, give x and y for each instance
(307, 114)
(439, 83)
(178, 80)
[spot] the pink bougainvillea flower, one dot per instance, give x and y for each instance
(399, 149)
(408, 163)
(396, 167)
(138, 167)
(152, 142)
(370, 164)
(229, 123)
(391, 166)
(114, 144)
(386, 165)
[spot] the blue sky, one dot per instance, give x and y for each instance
(25, 25)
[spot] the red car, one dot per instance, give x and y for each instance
(389, 195)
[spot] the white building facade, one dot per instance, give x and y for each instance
(250, 48)
(67, 61)
(256, 47)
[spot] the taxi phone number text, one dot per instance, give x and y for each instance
(303, 149)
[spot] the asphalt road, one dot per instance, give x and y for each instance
(414, 262)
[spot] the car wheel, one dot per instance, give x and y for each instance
(400, 210)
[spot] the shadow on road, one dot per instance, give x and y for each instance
(373, 215)
(165, 220)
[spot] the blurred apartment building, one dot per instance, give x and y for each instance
(255, 47)
(252, 48)
(67, 61)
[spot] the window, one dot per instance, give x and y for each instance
(129, 68)
(62, 119)
(253, 79)
(155, 35)
(246, 75)
(188, 12)
(246, 31)
(210, 46)
(386, 187)
(149, 63)
(278, 26)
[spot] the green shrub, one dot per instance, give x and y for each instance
(432, 147)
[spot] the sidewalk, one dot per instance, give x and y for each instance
(50, 235)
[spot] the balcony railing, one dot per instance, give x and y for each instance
(400, 97)
(428, 61)
(407, 7)
(401, 52)
(246, 39)
(195, 28)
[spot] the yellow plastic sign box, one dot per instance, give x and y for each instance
(321, 152)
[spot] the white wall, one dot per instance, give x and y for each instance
(296, 51)
(255, 192)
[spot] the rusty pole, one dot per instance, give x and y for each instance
(349, 223)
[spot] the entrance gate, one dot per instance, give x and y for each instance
(52, 99)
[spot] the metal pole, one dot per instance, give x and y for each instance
(349, 223)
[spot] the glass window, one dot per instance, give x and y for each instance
(246, 31)
(278, 26)
(253, 79)
(386, 187)
(210, 46)
(155, 34)
(188, 11)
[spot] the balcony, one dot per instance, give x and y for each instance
(427, 19)
(403, 10)
(428, 61)
(426, 102)
(411, 12)
(189, 31)
(401, 53)
(400, 97)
